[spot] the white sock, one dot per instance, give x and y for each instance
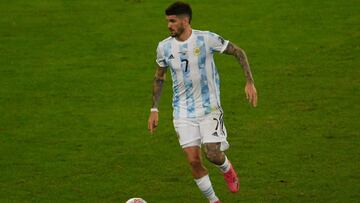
(206, 188)
(225, 167)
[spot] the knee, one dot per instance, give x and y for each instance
(211, 156)
(195, 164)
(214, 157)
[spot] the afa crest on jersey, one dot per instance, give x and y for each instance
(197, 51)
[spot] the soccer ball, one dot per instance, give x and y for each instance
(136, 200)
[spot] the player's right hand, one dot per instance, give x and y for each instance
(153, 121)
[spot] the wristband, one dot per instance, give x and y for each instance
(154, 110)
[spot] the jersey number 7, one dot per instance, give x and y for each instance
(186, 64)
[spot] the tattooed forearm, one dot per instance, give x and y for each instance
(157, 86)
(240, 55)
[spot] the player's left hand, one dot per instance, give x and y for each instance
(153, 121)
(251, 94)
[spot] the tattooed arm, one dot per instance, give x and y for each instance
(240, 55)
(157, 87)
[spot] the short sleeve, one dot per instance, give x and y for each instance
(217, 43)
(160, 57)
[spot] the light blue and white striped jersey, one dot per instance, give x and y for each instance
(196, 83)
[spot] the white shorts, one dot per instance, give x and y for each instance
(207, 129)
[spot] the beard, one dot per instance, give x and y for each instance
(178, 32)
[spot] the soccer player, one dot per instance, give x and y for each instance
(198, 116)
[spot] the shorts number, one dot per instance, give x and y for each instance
(219, 122)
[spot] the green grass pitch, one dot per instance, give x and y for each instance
(75, 94)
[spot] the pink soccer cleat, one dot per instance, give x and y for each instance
(232, 180)
(217, 201)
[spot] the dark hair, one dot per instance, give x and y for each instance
(179, 8)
